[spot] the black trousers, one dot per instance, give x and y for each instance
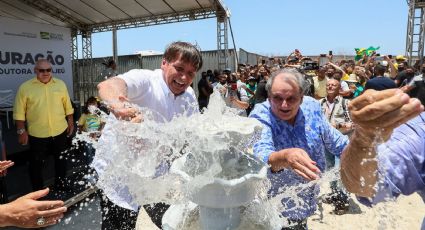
(115, 217)
(203, 103)
(40, 149)
(156, 212)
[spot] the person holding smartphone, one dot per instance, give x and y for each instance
(236, 97)
(29, 212)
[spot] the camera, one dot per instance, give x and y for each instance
(310, 65)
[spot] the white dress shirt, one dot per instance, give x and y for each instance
(146, 88)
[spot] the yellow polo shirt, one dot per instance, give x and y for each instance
(320, 86)
(43, 106)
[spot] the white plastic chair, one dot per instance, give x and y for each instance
(6, 103)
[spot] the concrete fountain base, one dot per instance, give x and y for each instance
(220, 200)
(188, 217)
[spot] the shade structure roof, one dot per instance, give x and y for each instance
(105, 15)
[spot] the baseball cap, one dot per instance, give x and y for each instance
(352, 78)
(400, 57)
(380, 83)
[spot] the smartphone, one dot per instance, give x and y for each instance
(330, 52)
(68, 203)
(80, 196)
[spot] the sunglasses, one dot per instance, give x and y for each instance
(45, 70)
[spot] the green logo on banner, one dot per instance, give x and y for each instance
(45, 35)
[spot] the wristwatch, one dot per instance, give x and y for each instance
(20, 131)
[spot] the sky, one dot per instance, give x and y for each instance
(277, 27)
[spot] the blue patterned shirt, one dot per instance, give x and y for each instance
(310, 132)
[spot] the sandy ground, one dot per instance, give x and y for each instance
(406, 213)
(144, 222)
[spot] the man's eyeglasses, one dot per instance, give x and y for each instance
(45, 70)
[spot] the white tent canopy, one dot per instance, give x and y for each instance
(85, 17)
(104, 15)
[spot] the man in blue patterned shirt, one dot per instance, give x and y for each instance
(294, 138)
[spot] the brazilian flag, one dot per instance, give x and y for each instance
(44, 35)
(360, 52)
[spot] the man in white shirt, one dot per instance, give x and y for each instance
(344, 88)
(166, 91)
(236, 97)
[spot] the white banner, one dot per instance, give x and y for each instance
(22, 43)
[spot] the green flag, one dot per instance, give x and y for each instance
(360, 52)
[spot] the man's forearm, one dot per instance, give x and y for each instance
(346, 93)
(3, 216)
(359, 165)
(111, 89)
(70, 118)
(20, 124)
(394, 71)
(277, 161)
(241, 104)
(337, 68)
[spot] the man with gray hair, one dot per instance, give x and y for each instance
(294, 138)
(295, 135)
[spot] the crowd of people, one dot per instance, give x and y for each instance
(353, 77)
(312, 114)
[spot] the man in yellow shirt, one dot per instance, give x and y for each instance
(43, 103)
(320, 81)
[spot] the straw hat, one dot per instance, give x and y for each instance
(352, 78)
